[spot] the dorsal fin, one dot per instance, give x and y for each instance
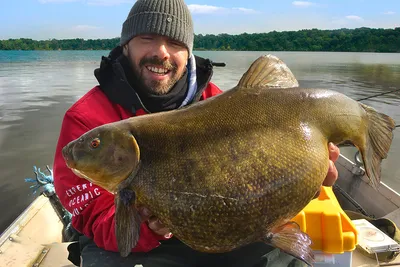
(268, 71)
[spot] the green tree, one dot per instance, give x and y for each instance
(355, 40)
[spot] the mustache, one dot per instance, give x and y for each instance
(166, 64)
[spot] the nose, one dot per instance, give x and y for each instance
(161, 50)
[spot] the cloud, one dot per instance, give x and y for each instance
(347, 20)
(245, 10)
(207, 9)
(204, 9)
(108, 2)
(84, 28)
(56, 1)
(302, 3)
(389, 13)
(354, 17)
(91, 2)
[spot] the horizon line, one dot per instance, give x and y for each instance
(215, 34)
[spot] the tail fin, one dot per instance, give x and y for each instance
(379, 139)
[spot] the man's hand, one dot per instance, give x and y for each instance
(332, 175)
(154, 223)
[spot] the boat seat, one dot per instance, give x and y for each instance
(22, 252)
(57, 256)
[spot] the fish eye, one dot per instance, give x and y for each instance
(95, 143)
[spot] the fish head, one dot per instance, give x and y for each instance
(105, 156)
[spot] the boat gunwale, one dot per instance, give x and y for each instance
(23, 219)
(383, 188)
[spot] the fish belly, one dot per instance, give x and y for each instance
(216, 202)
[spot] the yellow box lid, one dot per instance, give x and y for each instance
(330, 229)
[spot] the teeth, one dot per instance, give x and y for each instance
(158, 70)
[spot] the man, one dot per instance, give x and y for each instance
(152, 70)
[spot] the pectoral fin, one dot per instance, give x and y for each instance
(127, 221)
(290, 239)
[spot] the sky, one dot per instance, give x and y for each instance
(93, 19)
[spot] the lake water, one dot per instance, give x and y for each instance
(37, 87)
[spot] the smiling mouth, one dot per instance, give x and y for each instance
(159, 71)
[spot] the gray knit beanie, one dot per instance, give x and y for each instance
(170, 18)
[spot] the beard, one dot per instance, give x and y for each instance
(155, 86)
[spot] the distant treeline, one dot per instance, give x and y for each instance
(350, 40)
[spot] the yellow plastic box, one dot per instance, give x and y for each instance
(333, 234)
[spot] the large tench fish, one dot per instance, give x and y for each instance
(233, 169)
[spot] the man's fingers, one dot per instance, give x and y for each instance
(155, 223)
(156, 226)
(334, 152)
(168, 235)
(331, 176)
(144, 213)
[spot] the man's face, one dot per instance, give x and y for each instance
(157, 60)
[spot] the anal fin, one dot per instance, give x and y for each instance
(290, 239)
(127, 221)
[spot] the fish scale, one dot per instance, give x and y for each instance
(233, 169)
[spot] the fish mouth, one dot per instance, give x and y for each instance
(68, 157)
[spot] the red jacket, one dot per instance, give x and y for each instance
(93, 207)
